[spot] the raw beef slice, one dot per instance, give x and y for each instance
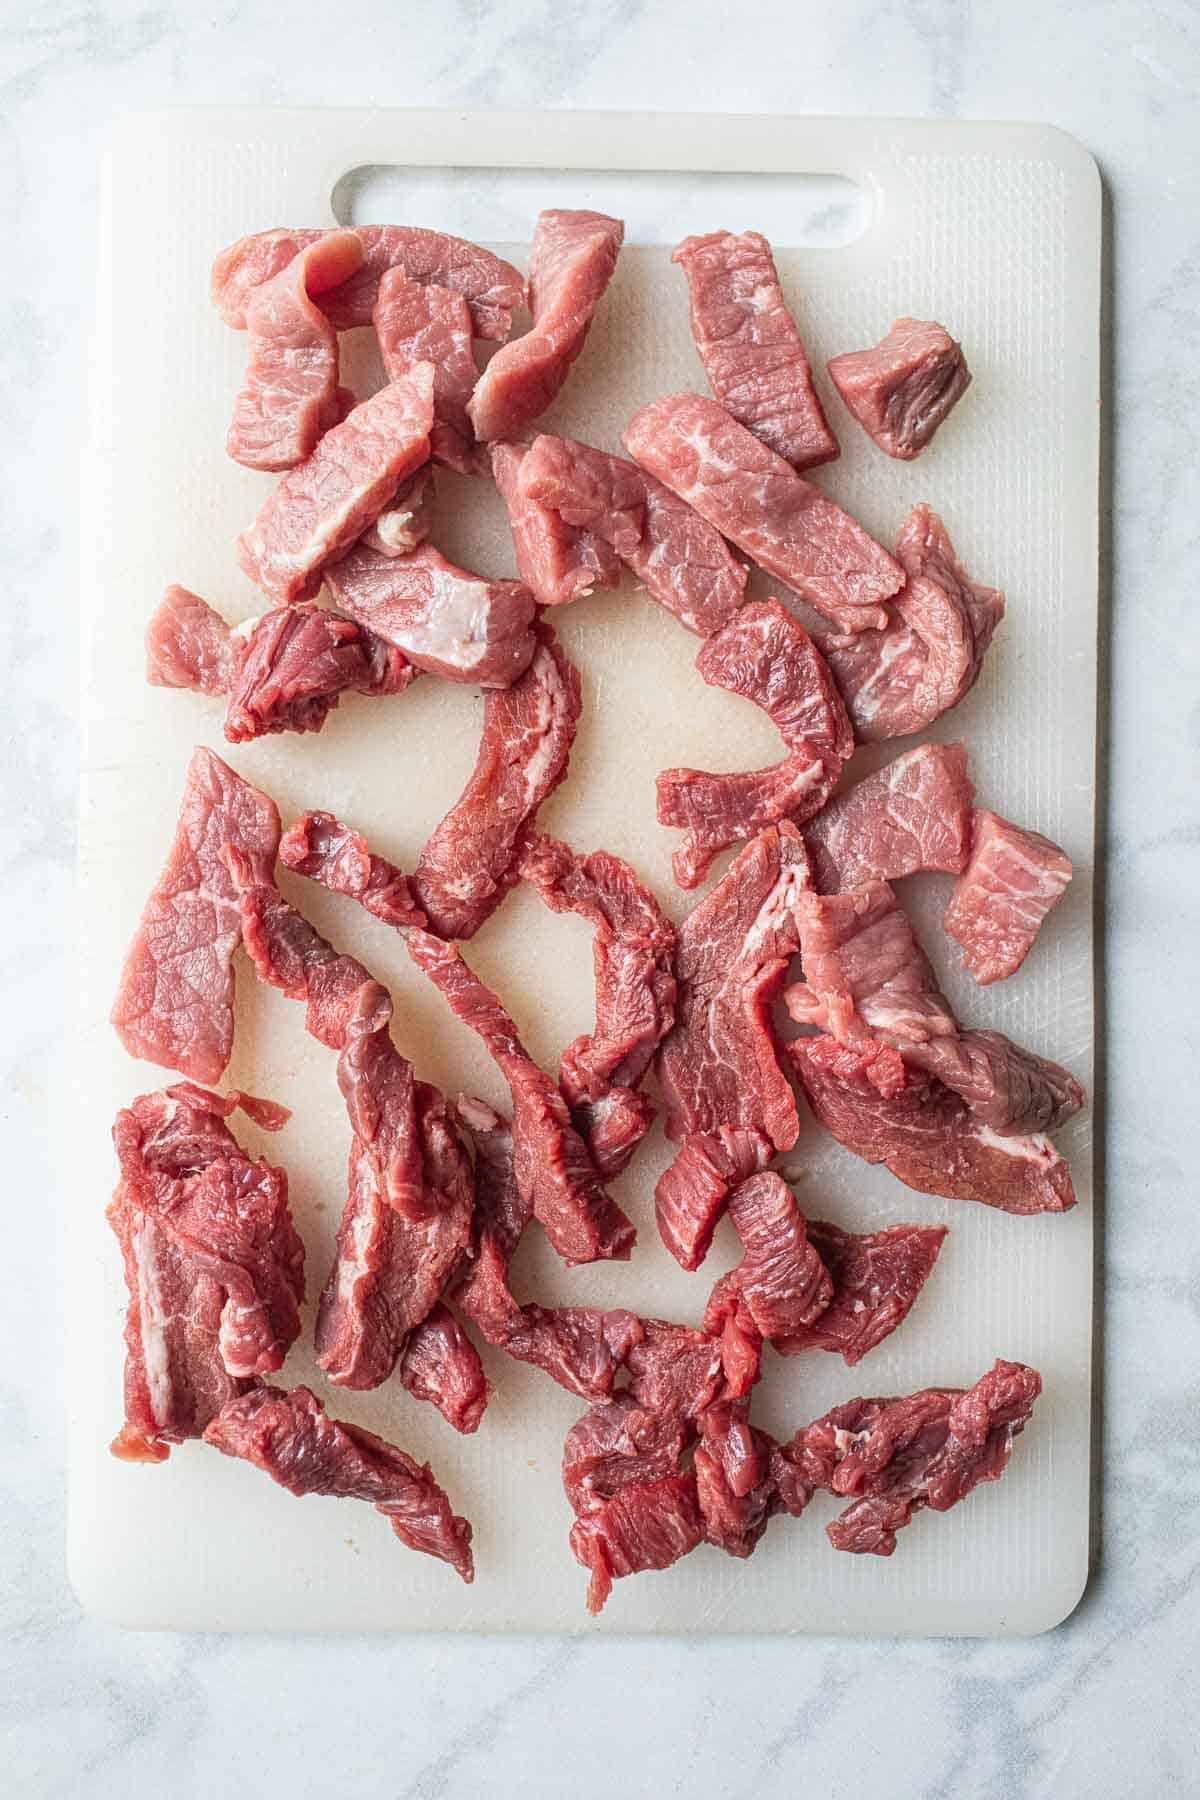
(901, 391)
(174, 1005)
(557, 562)
(876, 1276)
(418, 323)
(913, 814)
(750, 347)
(1010, 883)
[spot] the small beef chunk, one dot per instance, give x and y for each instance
(441, 1364)
(1010, 883)
(556, 561)
(913, 814)
(876, 1277)
(734, 1483)
(646, 1525)
(419, 322)
(901, 391)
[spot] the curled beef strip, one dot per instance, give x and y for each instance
(290, 1438)
(213, 1263)
(735, 1486)
(633, 955)
(323, 848)
(781, 1284)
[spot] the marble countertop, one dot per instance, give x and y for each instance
(1099, 1707)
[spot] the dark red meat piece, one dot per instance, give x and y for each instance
(901, 390)
(321, 847)
(913, 814)
(296, 661)
(876, 1277)
(734, 1483)
(675, 1370)
(645, 1525)
(781, 1281)
(1011, 881)
(441, 1364)
(616, 1444)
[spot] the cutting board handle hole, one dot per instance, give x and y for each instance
(498, 206)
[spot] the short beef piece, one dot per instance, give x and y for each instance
(902, 389)
(999, 901)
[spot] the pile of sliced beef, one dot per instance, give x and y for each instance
(804, 920)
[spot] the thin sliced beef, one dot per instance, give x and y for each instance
(329, 500)
(320, 846)
(680, 559)
(189, 645)
(418, 322)
(867, 977)
(718, 1066)
(290, 1438)
(174, 1005)
(913, 814)
(446, 620)
(922, 1132)
(407, 519)
(571, 262)
(491, 287)
(876, 1277)
(553, 1169)
(645, 1525)
(758, 501)
(502, 1211)
(929, 655)
(633, 954)
(556, 561)
(765, 655)
(901, 390)
(617, 1444)
(467, 865)
(781, 1281)
(441, 1364)
(213, 1264)
(1010, 883)
(751, 350)
(734, 1484)
(290, 393)
(891, 1458)
(675, 1371)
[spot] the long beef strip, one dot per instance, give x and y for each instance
(174, 1004)
(289, 1436)
(283, 671)
(213, 1263)
(765, 655)
(867, 977)
(728, 1102)
(407, 1217)
(633, 956)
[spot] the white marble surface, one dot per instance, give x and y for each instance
(1103, 1706)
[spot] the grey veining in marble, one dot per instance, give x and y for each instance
(1105, 1705)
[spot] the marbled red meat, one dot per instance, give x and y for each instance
(758, 501)
(174, 1004)
(556, 561)
(407, 518)
(734, 1484)
(675, 1370)
(616, 1444)
(682, 561)
(326, 502)
(923, 1133)
(323, 848)
(1010, 883)
(446, 620)
(571, 262)
(765, 655)
(491, 287)
(421, 322)
(290, 1438)
(781, 1282)
(467, 865)
(632, 954)
(876, 1275)
(213, 1264)
(718, 1066)
(290, 392)
(913, 814)
(553, 1169)
(752, 352)
(645, 1525)
(291, 955)
(901, 390)
(891, 1458)
(441, 1364)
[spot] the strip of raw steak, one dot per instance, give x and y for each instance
(682, 561)
(491, 287)
(913, 814)
(751, 350)
(290, 392)
(1010, 883)
(553, 1170)
(728, 1101)
(417, 322)
(467, 865)
(866, 1098)
(781, 1283)
(891, 1458)
(213, 1263)
(633, 957)
(876, 1277)
(901, 390)
(557, 562)
(320, 846)
(174, 1004)
(289, 1436)
(765, 655)
(441, 618)
(758, 501)
(571, 262)
(326, 502)
(929, 655)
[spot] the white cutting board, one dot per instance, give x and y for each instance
(994, 229)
